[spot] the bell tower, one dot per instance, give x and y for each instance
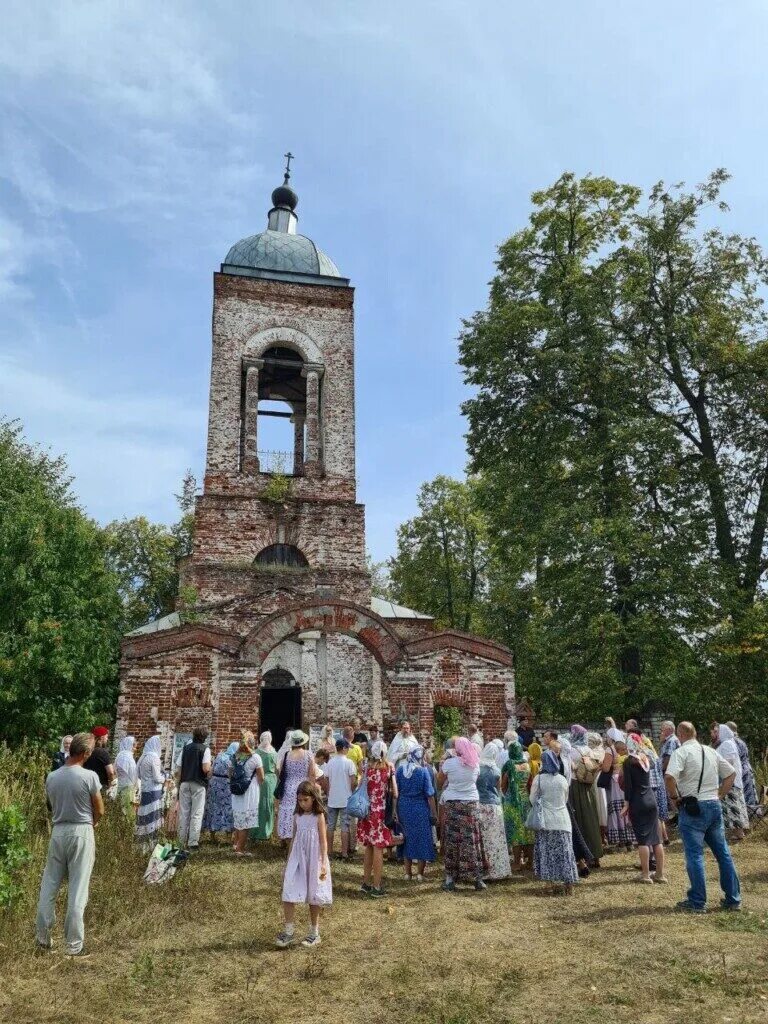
(284, 526)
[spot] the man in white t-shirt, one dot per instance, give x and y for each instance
(341, 774)
(697, 778)
(74, 798)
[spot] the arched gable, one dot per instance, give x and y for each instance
(307, 348)
(329, 617)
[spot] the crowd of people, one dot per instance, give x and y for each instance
(554, 805)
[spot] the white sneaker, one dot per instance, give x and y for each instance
(285, 939)
(311, 940)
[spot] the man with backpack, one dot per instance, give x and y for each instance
(194, 770)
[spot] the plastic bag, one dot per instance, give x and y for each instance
(164, 862)
(534, 819)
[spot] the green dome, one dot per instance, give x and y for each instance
(283, 252)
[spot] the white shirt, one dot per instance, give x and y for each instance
(340, 771)
(685, 768)
(553, 791)
(462, 781)
(400, 746)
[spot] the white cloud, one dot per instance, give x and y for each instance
(127, 453)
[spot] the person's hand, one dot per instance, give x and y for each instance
(323, 874)
(625, 809)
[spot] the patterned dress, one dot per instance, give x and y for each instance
(151, 813)
(372, 831)
(492, 823)
(751, 798)
(517, 804)
(659, 789)
(297, 770)
(414, 791)
(218, 799)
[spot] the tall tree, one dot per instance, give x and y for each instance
(60, 610)
(619, 424)
(144, 555)
(441, 561)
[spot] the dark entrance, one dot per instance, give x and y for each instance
(279, 704)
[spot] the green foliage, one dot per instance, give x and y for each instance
(143, 556)
(380, 582)
(59, 605)
(441, 561)
(620, 425)
(13, 853)
(448, 722)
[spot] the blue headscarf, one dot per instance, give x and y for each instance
(550, 763)
(413, 761)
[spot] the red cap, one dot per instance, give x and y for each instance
(100, 730)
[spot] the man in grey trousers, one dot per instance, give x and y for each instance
(74, 799)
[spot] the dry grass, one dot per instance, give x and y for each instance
(200, 950)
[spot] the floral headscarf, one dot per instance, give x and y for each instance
(578, 736)
(636, 749)
(413, 761)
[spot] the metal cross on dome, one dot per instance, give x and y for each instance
(288, 157)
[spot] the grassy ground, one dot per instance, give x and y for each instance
(200, 949)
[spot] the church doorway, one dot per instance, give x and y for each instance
(279, 704)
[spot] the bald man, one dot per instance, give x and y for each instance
(697, 778)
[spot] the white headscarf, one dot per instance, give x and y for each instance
(379, 750)
(727, 749)
(125, 763)
(616, 735)
(265, 742)
(152, 748)
(489, 753)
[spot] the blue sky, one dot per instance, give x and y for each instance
(139, 141)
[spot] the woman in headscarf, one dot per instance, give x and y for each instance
(751, 798)
(491, 815)
(268, 756)
(516, 805)
(735, 816)
(127, 776)
(372, 831)
(416, 811)
(245, 806)
(553, 856)
(585, 770)
(619, 828)
(217, 818)
(534, 760)
(462, 841)
(61, 754)
(150, 815)
(640, 806)
(327, 741)
(595, 744)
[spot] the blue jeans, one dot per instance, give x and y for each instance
(707, 828)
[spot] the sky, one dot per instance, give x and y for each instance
(139, 141)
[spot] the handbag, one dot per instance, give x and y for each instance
(390, 821)
(359, 803)
(605, 778)
(280, 787)
(534, 821)
(690, 804)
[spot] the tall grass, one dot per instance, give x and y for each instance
(118, 898)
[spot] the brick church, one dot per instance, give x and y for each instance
(282, 629)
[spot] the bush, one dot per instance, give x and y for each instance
(13, 853)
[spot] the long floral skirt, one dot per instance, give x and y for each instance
(463, 851)
(553, 859)
(735, 809)
(494, 841)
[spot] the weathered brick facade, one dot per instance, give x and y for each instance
(278, 570)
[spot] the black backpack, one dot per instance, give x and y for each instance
(239, 780)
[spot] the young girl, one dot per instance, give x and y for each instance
(307, 877)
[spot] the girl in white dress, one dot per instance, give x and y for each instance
(307, 877)
(245, 806)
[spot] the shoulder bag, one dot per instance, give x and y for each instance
(690, 804)
(280, 787)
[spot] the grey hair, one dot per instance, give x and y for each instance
(668, 724)
(732, 727)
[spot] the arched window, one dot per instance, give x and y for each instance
(282, 554)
